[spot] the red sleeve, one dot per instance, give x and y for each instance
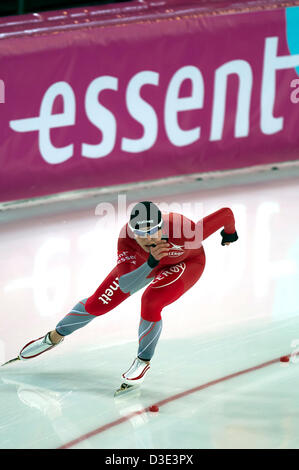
(126, 257)
(222, 218)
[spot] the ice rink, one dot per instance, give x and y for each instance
(216, 373)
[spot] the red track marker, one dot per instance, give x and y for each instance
(115, 423)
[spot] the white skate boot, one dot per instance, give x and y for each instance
(134, 376)
(34, 348)
(37, 347)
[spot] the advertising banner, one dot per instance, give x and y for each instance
(158, 93)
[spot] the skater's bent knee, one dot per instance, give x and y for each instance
(151, 315)
(93, 307)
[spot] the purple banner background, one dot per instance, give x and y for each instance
(163, 43)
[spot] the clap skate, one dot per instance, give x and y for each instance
(133, 378)
(34, 348)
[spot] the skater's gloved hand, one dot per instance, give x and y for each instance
(228, 238)
(158, 250)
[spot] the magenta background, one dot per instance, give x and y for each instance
(29, 65)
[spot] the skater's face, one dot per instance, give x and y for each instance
(147, 241)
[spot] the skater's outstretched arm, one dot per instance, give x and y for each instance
(221, 218)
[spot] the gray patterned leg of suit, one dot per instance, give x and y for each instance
(149, 334)
(77, 318)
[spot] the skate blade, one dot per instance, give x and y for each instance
(126, 389)
(9, 362)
